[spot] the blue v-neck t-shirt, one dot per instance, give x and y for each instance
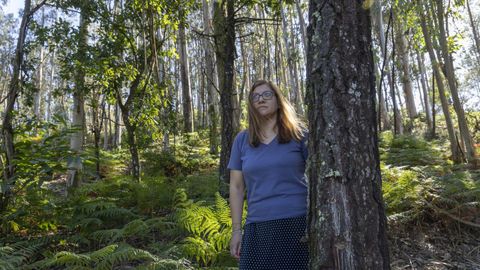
(274, 176)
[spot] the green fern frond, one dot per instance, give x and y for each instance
(6, 250)
(113, 213)
(17, 254)
(203, 251)
(70, 259)
(135, 227)
(222, 210)
(108, 236)
(88, 222)
(180, 199)
(167, 264)
(5, 265)
(90, 207)
(123, 255)
(444, 201)
(100, 255)
(160, 223)
(472, 194)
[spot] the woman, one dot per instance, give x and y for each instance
(268, 159)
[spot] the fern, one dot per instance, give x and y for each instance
(101, 254)
(106, 258)
(15, 255)
(108, 236)
(136, 227)
(123, 255)
(209, 228)
(167, 265)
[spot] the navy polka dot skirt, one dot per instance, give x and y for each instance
(275, 244)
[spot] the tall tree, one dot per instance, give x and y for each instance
(474, 26)
(185, 77)
(424, 89)
(384, 69)
(437, 74)
(75, 166)
(346, 219)
(224, 30)
(402, 53)
(452, 83)
(8, 180)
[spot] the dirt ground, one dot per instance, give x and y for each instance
(434, 247)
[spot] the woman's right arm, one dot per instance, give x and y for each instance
(237, 188)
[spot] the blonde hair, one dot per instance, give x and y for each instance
(288, 124)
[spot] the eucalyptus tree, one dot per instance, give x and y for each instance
(377, 12)
(438, 75)
(446, 53)
(424, 88)
(75, 166)
(291, 67)
(474, 25)
(224, 31)
(185, 75)
(211, 79)
(346, 219)
(128, 51)
(402, 53)
(14, 88)
(7, 49)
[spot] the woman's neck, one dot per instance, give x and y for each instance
(269, 127)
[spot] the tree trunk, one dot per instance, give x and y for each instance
(441, 88)
(117, 137)
(106, 123)
(290, 65)
(132, 146)
(450, 74)
(295, 58)
(301, 21)
(75, 166)
(224, 27)
(384, 120)
(473, 25)
(40, 80)
(246, 76)
(347, 222)
(424, 89)
(185, 78)
(49, 101)
(397, 115)
(8, 181)
(405, 67)
(97, 110)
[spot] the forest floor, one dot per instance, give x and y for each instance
(434, 247)
(433, 209)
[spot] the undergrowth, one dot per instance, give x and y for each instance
(175, 219)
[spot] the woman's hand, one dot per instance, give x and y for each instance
(236, 244)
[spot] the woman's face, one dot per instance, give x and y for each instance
(264, 100)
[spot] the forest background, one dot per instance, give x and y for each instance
(118, 117)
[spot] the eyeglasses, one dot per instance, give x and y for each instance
(267, 95)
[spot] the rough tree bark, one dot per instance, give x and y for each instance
(224, 29)
(347, 223)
